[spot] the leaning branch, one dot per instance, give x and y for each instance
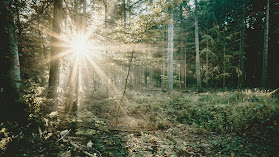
(125, 87)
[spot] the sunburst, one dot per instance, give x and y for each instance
(80, 45)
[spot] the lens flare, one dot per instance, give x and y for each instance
(80, 45)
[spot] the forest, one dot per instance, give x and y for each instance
(139, 78)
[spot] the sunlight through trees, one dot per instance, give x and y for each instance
(139, 78)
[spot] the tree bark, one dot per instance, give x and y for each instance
(265, 49)
(54, 64)
(170, 55)
(207, 64)
(106, 23)
(224, 67)
(162, 68)
(182, 53)
(185, 61)
(242, 53)
(124, 12)
(198, 70)
(10, 79)
(84, 17)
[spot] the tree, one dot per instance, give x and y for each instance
(170, 54)
(242, 43)
(198, 70)
(10, 79)
(9, 64)
(181, 48)
(265, 49)
(208, 41)
(124, 13)
(54, 64)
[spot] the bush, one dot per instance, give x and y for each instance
(249, 115)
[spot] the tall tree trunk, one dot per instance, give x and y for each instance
(18, 23)
(150, 77)
(162, 68)
(106, 13)
(106, 24)
(84, 17)
(207, 64)
(198, 70)
(149, 67)
(185, 61)
(10, 79)
(182, 69)
(170, 55)
(224, 67)
(76, 17)
(265, 49)
(242, 53)
(54, 64)
(124, 13)
(145, 72)
(181, 47)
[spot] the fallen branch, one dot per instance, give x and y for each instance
(122, 130)
(126, 82)
(274, 93)
(63, 136)
(86, 153)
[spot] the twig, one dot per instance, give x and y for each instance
(86, 153)
(122, 130)
(63, 136)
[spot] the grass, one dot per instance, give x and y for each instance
(246, 121)
(231, 123)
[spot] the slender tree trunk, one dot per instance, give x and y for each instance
(170, 55)
(265, 49)
(150, 77)
(124, 12)
(162, 68)
(18, 23)
(76, 17)
(224, 67)
(182, 71)
(79, 72)
(54, 64)
(106, 23)
(185, 61)
(181, 47)
(10, 80)
(198, 70)
(84, 17)
(150, 66)
(145, 69)
(106, 13)
(207, 64)
(242, 53)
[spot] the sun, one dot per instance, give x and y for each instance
(80, 45)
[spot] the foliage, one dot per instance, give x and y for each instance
(249, 115)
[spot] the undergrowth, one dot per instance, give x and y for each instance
(251, 116)
(237, 123)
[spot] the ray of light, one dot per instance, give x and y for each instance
(58, 56)
(48, 32)
(103, 76)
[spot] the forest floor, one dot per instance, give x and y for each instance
(152, 123)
